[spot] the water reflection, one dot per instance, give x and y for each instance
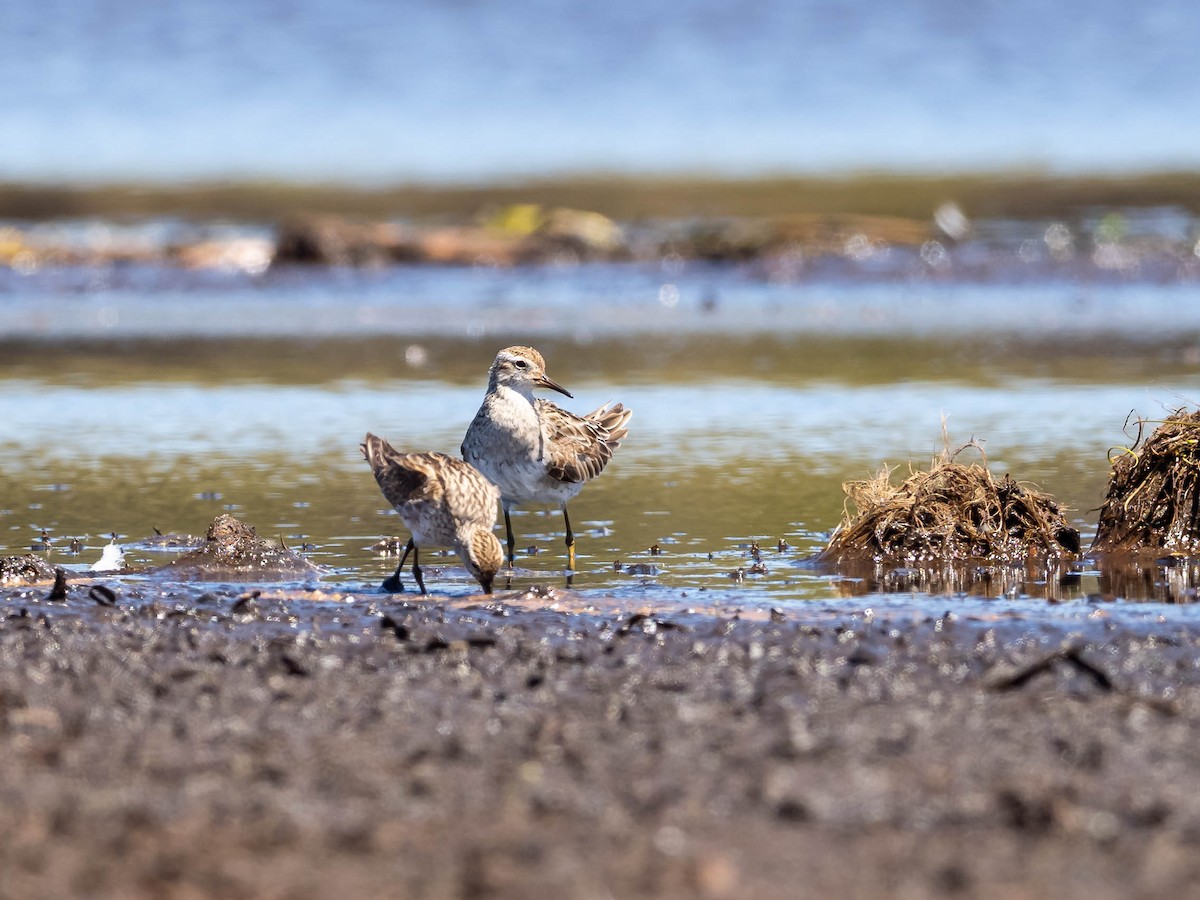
(1055, 582)
(1165, 579)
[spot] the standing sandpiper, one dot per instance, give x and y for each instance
(533, 450)
(444, 502)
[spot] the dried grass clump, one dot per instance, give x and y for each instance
(952, 513)
(1153, 499)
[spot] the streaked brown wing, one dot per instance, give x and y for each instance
(402, 484)
(578, 448)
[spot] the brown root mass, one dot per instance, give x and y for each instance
(953, 512)
(1153, 499)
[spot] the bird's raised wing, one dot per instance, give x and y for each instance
(577, 448)
(402, 477)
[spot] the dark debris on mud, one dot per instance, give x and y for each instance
(303, 744)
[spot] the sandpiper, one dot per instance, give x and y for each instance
(444, 502)
(534, 451)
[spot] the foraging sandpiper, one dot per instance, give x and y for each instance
(444, 502)
(534, 451)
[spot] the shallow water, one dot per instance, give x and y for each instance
(748, 418)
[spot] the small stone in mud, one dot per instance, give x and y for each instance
(648, 625)
(792, 809)
(292, 666)
(245, 604)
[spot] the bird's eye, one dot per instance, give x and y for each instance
(521, 364)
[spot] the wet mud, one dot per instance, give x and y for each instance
(186, 740)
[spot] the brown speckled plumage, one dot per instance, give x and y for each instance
(444, 502)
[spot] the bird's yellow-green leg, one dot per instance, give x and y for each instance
(570, 541)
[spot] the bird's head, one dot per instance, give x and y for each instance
(522, 369)
(483, 557)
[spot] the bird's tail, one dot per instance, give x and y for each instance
(613, 418)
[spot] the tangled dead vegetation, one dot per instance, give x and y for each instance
(951, 513)
(1153, 498)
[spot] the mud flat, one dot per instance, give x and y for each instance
(1081, 226)
(1004, 193)
(204, 741)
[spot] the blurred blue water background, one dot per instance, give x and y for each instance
(466, 90)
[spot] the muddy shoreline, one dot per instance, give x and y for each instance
(1016, 193)
(1083, 226)
(198, 741)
